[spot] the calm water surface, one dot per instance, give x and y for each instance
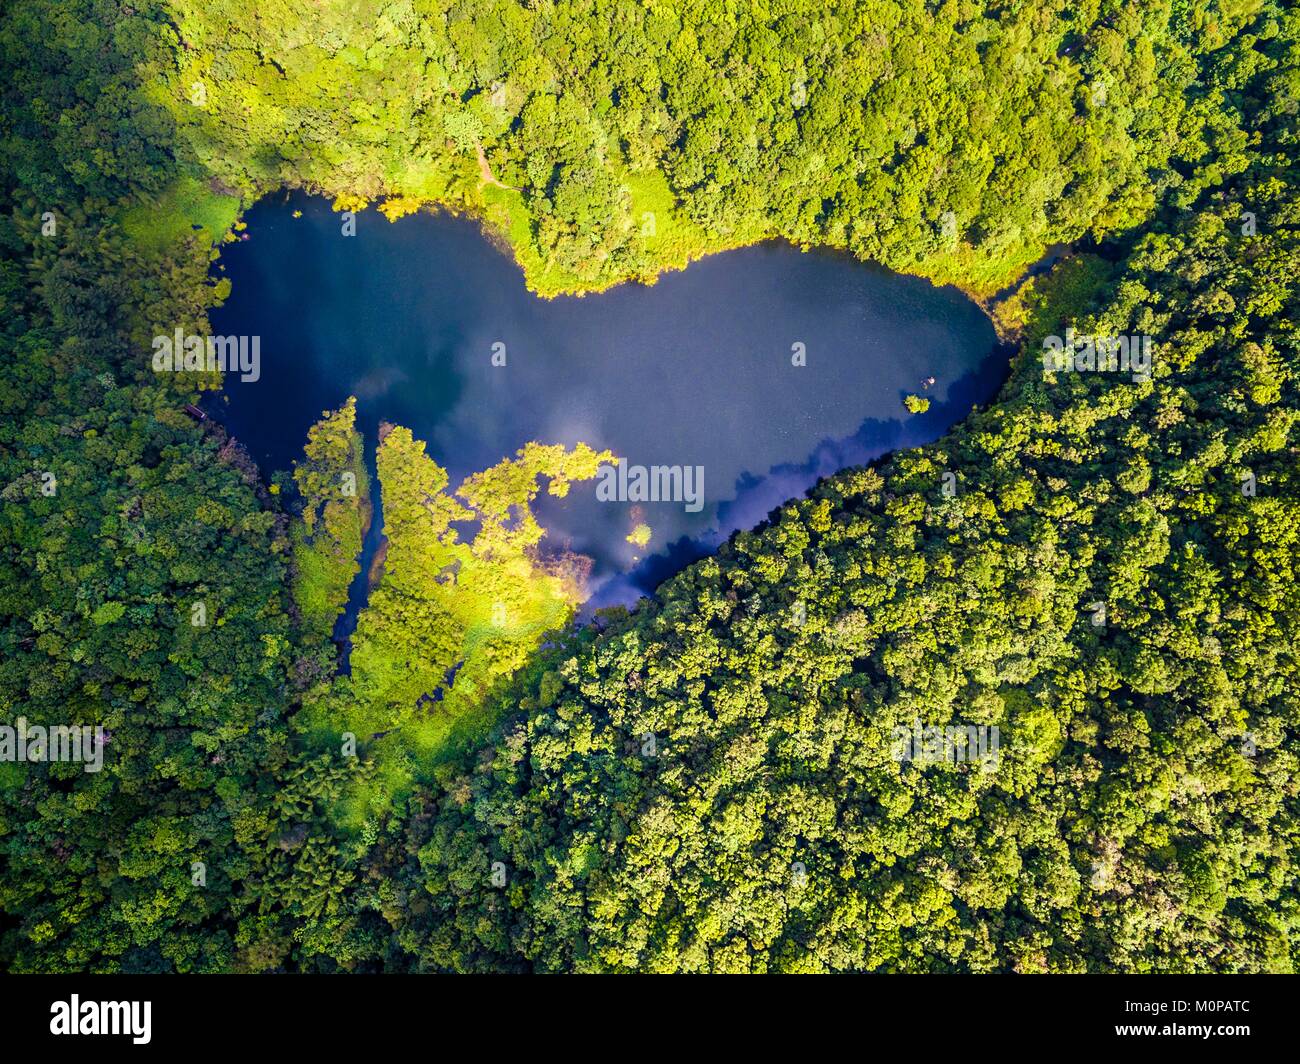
(695, 370)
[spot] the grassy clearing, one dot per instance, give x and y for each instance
(186, 206)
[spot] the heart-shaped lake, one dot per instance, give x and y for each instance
(733, 384)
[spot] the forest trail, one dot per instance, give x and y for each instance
(485, 171)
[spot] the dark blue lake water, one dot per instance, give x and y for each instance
(695, 370)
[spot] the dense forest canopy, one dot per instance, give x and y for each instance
(1101, 565)
(947, 139)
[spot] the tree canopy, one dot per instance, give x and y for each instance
(1100, 565)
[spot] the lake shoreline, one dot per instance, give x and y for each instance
(987, 298)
